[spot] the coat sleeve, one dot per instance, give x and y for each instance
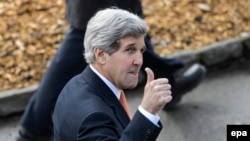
(142, 129)
(78, 12)
(101, 127)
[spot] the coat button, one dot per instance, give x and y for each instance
(148, 131)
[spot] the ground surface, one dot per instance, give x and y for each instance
(31, 30)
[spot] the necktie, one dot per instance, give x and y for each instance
(125, 104)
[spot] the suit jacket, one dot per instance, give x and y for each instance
(88, 110)
(78, 12)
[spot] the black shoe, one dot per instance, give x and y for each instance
(24, 135)
(186, 83)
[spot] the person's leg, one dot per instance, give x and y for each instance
(68, 61)
(185, 83)
(161, 66)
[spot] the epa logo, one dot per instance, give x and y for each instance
(238, 132)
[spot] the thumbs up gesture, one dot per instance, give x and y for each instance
(157, 93)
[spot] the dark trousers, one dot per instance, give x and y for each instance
(68, 62)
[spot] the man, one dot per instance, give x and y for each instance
(36, 124)
(88, 107)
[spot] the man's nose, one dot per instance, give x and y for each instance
(138, 59)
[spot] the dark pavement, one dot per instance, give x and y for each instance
(222, 98)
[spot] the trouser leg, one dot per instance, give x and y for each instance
(67, 62)
(161, 66)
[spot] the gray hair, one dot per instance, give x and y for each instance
(107, 27)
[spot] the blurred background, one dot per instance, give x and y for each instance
(31, 30)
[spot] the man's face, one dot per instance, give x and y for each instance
(123, 66)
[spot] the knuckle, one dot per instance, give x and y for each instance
(169, 86)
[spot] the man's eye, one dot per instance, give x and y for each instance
(130, 50)
(143, 50)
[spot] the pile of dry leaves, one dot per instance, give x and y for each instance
(31, 30)
(191, 24)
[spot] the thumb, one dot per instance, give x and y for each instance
(150, 75)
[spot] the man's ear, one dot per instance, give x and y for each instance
(100, 55)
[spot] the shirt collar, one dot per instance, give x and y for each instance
(114, 89)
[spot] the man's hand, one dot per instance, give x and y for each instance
(157, 93)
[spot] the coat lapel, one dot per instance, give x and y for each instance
(107, 95)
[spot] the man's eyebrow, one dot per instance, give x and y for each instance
(131, 45)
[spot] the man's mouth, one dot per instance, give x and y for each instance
(134, 72)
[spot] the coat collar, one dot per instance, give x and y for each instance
(103, 91)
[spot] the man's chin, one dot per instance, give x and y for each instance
(132, 85)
